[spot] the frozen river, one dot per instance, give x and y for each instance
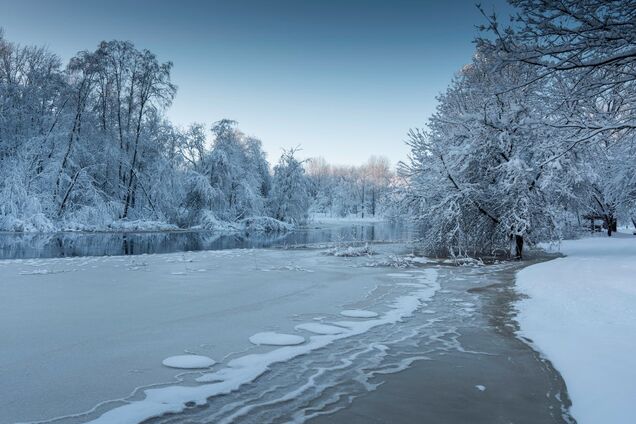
(83, 340)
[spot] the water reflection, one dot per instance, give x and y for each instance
(15, 246)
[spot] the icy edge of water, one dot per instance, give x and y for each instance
(245, 369)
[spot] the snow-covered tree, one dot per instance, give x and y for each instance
(257, 161)
(589, 42)
(290, 199)
(377, 177)
(89, 144)
(235, 172)
(484, 175)
(585, 52)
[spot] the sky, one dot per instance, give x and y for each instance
(341, 79)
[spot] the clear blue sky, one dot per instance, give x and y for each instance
(344, 79)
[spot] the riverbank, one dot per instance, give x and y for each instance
(256, 224)
(489, 376)
(580, 312)
(52, 245)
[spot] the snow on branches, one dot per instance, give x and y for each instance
(537, 131)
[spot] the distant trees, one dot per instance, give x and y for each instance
(376, 181)
(340, 191)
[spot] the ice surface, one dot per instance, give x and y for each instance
(317, 328)
(271, 338)
(188, 361)
(105, 317)
(581, 314)
(108, 316)
(249, 367)
(358, 313)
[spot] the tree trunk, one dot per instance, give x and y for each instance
(68, 192)
(69, 147)
(363, 200)
(373, 200)
(129, 191)
(518, 246)
(611, 223)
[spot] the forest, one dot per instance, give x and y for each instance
(88, 146)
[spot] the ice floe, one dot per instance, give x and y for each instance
(358, 313)
(272, 338)
(188, 362)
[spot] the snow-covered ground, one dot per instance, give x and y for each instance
(79, 331)
(581, 314)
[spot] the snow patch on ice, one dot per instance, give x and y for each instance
(289, 267)
(36, 272)
(188, 362)
(350, 251)
(358, 313)
(271, 338)
(317, 328)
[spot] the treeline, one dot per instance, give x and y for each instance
(88, 146)
(364, 191)
(534, 137)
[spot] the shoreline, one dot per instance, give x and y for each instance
(167, 228)
(509, 382)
